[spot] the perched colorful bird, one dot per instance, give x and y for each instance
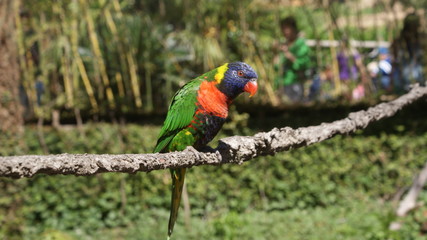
(196, 114)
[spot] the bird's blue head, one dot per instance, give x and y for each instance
(235, 78)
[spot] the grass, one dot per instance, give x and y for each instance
(361, 219)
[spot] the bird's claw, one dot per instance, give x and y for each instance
(191, 149)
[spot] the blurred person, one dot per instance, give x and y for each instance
(292, 62)
(351, 70)
(385, 69)
(358, 92)
(347, 58)
(380, 71)
(407, 54)
(322, 85)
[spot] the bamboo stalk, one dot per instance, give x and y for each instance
(19, 33)
(120, 85)
(314, 27)
(79, 62)
(117, 8)
(148, 88)
(168, 85)
(75, 76)
(86, 81)
(133, 67)
(22, 58)
(65, 62)
(113, 28)
(267, 84)
(134, 79)
(335, 67)
(30, 71)
(390, 26)
(97, 52)
(67, 82)
(43, 44)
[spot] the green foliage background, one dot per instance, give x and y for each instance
(339, 189)
(135, 54)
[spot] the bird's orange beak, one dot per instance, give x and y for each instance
(251, 87)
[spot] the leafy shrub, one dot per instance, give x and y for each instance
(330, 176)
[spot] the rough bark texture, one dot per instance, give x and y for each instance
(10, 109)
(237, 149)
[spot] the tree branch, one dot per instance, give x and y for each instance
(410, 201)
(236, 149)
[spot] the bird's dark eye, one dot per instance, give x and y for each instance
(240, 73)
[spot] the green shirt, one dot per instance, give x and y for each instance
(292, 72)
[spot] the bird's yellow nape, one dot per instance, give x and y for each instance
(220, 73)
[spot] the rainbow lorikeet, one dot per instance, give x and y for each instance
(196, 114)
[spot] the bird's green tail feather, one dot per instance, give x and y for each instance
(178, 176)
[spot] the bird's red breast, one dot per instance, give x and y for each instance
(212, 100)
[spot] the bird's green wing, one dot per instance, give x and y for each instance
(180, 114)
